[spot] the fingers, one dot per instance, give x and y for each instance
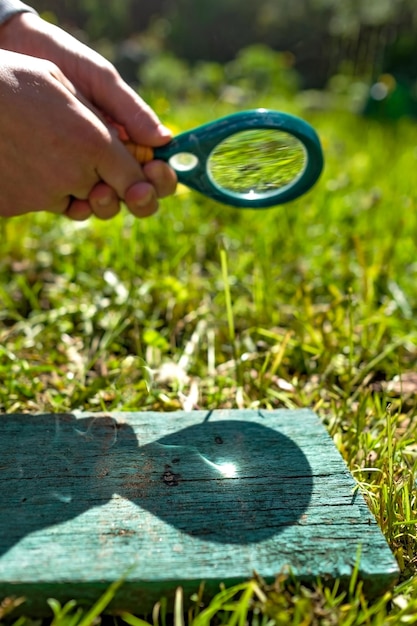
(115, 98)
(116, 175)
(119, 173)
(161, 176)
(121, 177)
(103, 201)
(143, 126)
(78, 210)
(118, 169)
(97, 85)
(142, 198)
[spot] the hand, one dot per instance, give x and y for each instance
(81, 156)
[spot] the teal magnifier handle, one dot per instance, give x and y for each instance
(193, 156)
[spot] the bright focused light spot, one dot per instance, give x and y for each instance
(227, 469)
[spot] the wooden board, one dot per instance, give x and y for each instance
(169, 499)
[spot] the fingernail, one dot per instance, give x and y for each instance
(165, 131)
(105, 201)
(146, 199)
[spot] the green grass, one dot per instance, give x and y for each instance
(260, 161)
(309, 304)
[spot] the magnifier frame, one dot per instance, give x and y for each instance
(201, 142)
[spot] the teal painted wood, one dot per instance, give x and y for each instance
(168, 499)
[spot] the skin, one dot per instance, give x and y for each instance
(60, 152)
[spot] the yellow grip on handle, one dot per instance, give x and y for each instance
(142, 154)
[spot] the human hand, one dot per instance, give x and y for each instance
(67, 115)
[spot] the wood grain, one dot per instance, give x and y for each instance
(168, 499)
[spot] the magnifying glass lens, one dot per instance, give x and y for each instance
(257, 163)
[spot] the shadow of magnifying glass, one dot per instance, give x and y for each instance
(226, 481)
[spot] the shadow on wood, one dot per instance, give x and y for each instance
(163, 500)
(229, 481)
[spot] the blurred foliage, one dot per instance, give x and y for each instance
(259, 68)
(321, 35)
(256, 70)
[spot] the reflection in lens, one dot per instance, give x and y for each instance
(257, 162)
(183, 161)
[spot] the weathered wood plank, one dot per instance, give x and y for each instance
(168, 499)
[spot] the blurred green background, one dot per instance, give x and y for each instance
(183, 46)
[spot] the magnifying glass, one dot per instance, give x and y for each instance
(251, 159)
